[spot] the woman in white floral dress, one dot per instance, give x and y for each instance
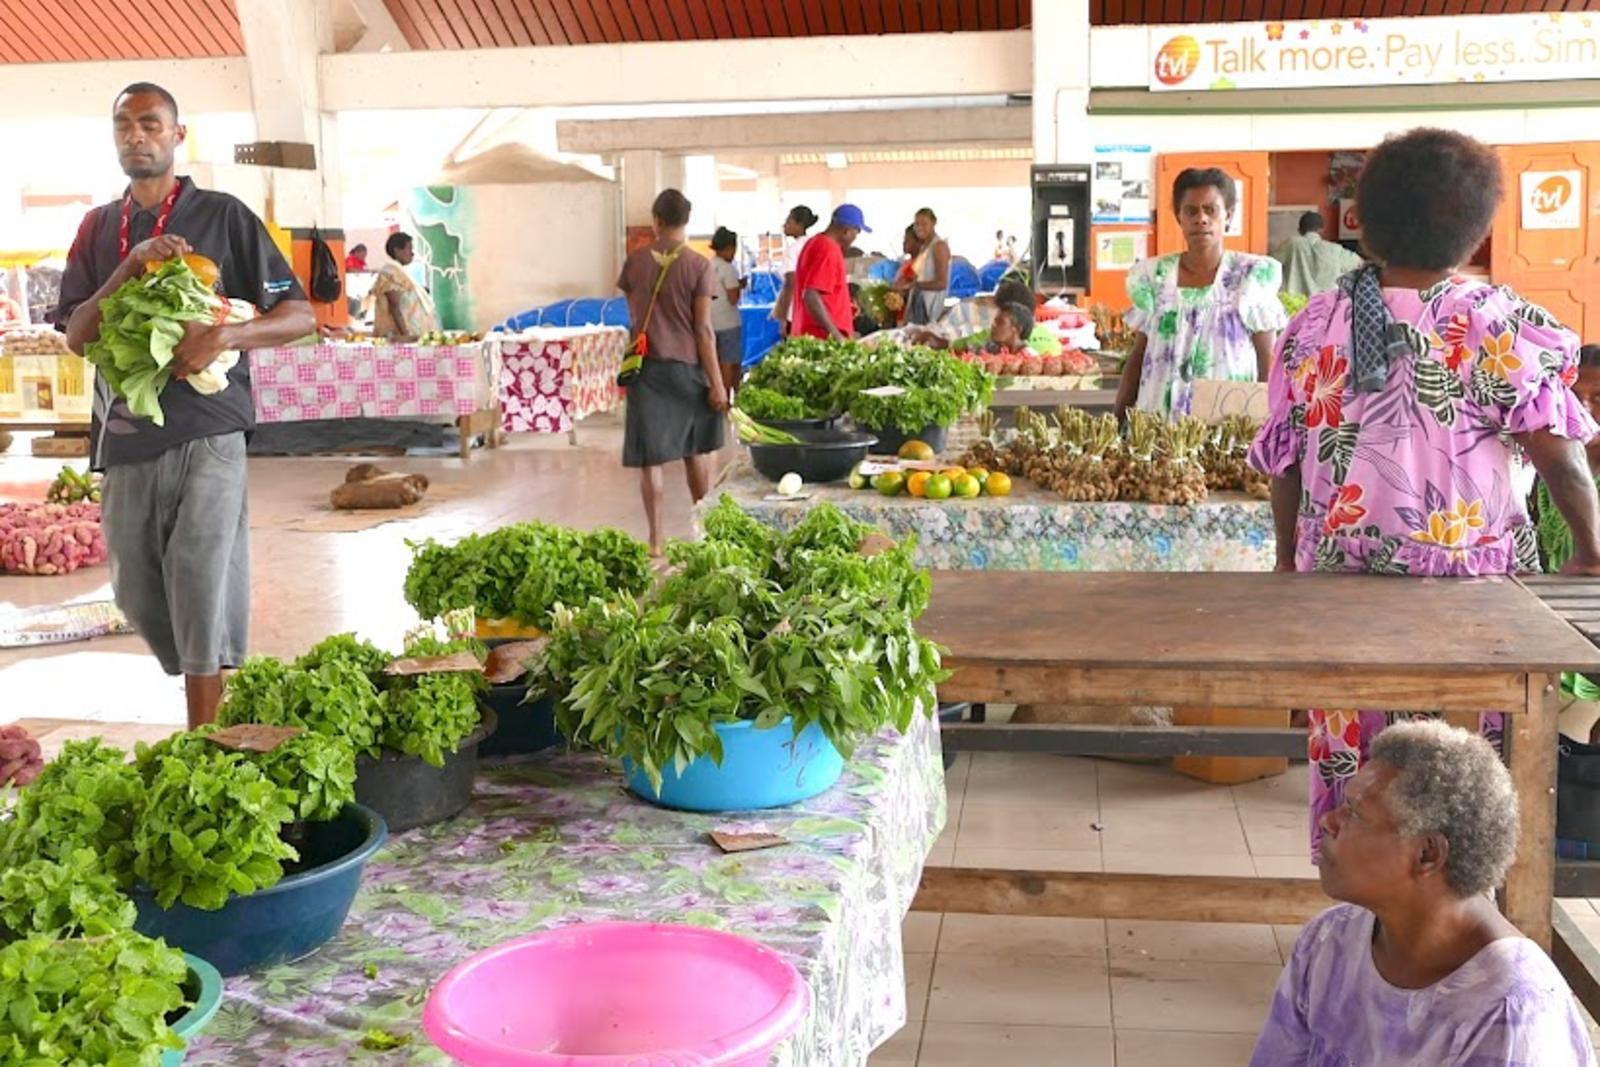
(1203, 313)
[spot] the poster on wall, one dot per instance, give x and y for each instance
(1119, 251)
(1119, 188)
(1349, 224)
(1552, 199)
(1391, 51)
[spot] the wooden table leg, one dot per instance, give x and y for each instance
(1530, 884)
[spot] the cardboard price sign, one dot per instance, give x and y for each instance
(456, 662)
(509, 662)
(732, 842)
(252, 737)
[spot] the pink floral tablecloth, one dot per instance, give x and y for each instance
(549, 379)
(350, 381)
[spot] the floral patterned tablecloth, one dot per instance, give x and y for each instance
(551, 378)
(339, 380)
(1035, 530)
(556, 840)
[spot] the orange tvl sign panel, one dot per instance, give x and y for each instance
(1177, 60)
(1551, 195)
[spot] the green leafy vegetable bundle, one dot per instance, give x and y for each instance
(87, 797)
(522, 571)
(817, 628)
(140, 325)
(338, 690)
(828, 377)
(85, 1002)
(938, 388)
(72, 897)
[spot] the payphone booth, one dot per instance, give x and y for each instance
(1061, 229)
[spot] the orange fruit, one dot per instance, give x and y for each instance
(203, 268)
(917, 484)
(939, 487)
(966, 486)
(999, 484)
(915, 450)
(889, 483)
(953, 472)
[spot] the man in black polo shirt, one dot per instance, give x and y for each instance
(174, 499)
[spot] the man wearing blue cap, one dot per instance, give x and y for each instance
(825, 309)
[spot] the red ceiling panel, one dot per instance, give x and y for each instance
(65, 31)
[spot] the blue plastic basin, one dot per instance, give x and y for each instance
(760, 769)
(207, 989)
(282, 924)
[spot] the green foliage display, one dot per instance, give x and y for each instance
(70, 897)
(808, 630)
(211, 825)
(87, 797)
(726, 522)
(524, 570)
(429, 715)
(769, 405)
(88, 1002)
(938, 389)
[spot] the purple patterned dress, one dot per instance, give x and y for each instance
(1415, 479)
(1507, 1006)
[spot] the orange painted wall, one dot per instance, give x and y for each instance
(1302, 178)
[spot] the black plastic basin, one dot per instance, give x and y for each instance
(410, 792)
(821, 456)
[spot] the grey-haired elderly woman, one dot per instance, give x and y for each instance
(1417, 967)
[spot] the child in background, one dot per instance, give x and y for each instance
(725, 319)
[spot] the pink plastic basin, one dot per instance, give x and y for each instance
(618, 995)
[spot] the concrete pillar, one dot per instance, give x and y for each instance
(284, 41)
(1061, 82)
(643, 174)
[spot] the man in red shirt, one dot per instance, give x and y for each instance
(825, 309)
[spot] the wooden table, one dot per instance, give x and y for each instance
(1245, 640)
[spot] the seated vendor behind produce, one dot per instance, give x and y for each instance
(1009, 332)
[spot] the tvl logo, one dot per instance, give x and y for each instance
(1177, 60)
(1552, 194)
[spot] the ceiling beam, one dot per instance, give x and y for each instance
(49, 90)
(935, 64)
(822, 130)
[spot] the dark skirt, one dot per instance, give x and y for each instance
(667, 416)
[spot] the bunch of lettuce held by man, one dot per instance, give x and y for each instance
(143, 321)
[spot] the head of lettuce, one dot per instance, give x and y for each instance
(141, 324)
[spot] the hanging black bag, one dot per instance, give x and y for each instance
(326, 286)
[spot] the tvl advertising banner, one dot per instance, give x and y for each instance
(1400, 51)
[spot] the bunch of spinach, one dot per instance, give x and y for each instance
(726, 521)
(70, 897)
(88, 1001)
(319, 770)
(87, 797)
(429, 715)
(524, 570)
(937, 388)
(814, 632)
(140, 325)
(211, 825)
(810, 370)
(326, 693)
(769, 405)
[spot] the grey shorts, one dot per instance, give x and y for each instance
(730, 346)
(177, 530)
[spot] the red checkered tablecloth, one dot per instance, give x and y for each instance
(549, 379)
(349, 381)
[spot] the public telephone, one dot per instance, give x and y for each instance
(1061, 228)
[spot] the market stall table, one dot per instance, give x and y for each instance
(1248, 640)
(342, 380)
(1034, 529)
(555, 840)
(551, 378)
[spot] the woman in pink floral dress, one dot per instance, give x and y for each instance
(1398, 401)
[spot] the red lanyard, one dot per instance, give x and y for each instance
(123, 247)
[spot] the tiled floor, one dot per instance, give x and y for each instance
(983, 991)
